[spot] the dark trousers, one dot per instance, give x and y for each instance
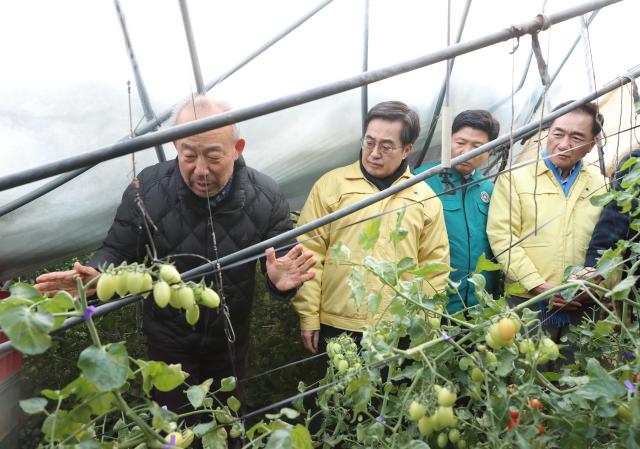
(201, 365)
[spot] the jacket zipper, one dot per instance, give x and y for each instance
(466, 224)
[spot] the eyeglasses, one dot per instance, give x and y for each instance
(384, 148)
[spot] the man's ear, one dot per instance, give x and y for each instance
(406, 150)
(239, 147)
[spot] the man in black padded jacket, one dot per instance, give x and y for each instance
(207, 187)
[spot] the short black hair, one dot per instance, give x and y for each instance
(477, 119)
(591, 109)
(397, 111)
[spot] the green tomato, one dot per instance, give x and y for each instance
(444, 417)
(442, 440)
(426, 425)
(209, 298)
(186, 298)
(147, 284)
(550, 348)
(134, 282)
(446, 397)
(174, 301)
(342, 366)
(477, 375)
(464, 363)
(169, 274)
(106, 286)
(161, 293)
(192, 314)
(416, 410)
(492, 360)
(434, 322)
(491, 342)
(121, 283)
(454, 435)
(462, 444)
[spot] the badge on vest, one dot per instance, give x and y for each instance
(484, 196)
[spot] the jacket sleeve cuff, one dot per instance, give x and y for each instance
(288, 295)
(531, 281)
(309, 323)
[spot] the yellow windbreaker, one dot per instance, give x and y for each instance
(564, 224)
(327, 299)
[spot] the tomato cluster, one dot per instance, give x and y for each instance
(168, 289)
(343, 353)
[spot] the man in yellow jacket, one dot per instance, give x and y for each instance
(551, 196)
(325, 304)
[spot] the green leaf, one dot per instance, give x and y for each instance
(215, 440)
(370, 233)
(608, 262)
(516, 290)
(280, 439)
(628, 163)
(233, 403)
(603, 328)
(160, 375)
(601, 385)
(203, 428)
(631, 178)
(106, 366)
(300, 437)
(359, 392)
(33, 406)
(373, 300)
(339, 253)
(623, 286)
(430, 268)
(228, 384)
(162, 418)
(197, 393)
(61, 302)
(55, 395)
(27, 329)
(485, 264)
(406, 264)
(358, 290)
(604, 199)
(22, 290)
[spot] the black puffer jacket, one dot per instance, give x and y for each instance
(254, 211)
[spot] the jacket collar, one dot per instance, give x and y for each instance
(542, 167)
(353, 172)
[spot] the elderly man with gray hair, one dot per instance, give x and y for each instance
(205, 203)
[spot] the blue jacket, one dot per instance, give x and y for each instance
(465, 215)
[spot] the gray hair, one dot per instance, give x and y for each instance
(203, 103)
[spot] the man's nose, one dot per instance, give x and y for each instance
(201, 169)
(565, 142)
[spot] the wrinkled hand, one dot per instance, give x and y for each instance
(291, 270)
(557, 300)
(51, 283)
(310, 340)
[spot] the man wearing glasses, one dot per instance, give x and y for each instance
(325, 304)
(541, 217)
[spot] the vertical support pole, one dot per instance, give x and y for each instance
(195, 62)
(142, 90)
(364, 90)
(445, 150)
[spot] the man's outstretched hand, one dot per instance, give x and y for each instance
(51, 283)
(291, 270)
